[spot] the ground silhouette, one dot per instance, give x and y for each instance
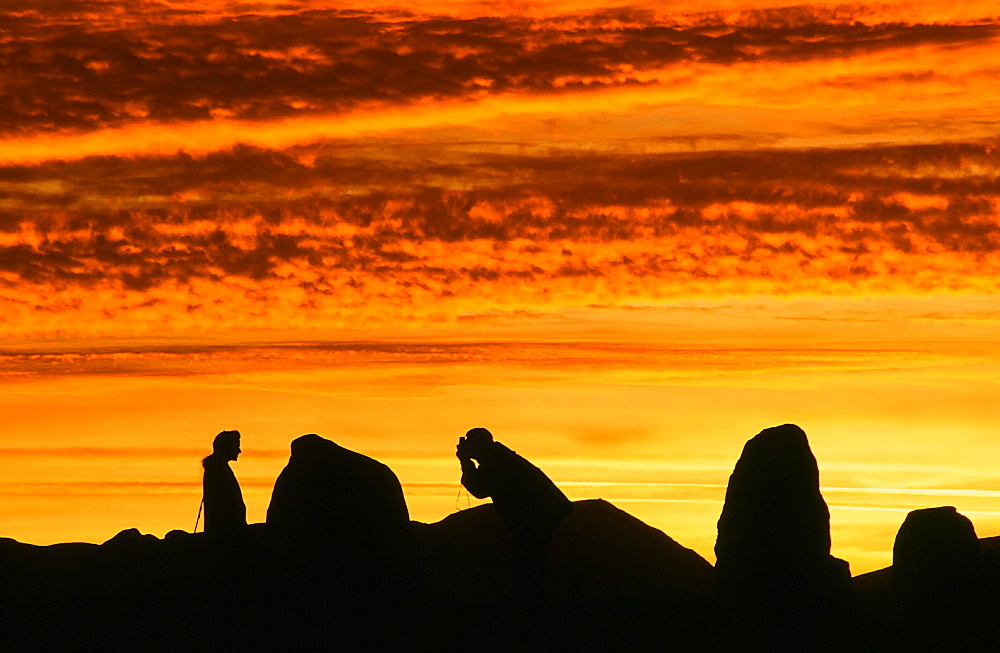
(339, 565)
(942, 591)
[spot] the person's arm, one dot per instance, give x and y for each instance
(472, 476)
(239, 505)
(472, 479)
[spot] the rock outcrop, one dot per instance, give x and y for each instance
(597, 552)
(336, 495)
(600, 550)
(938, 579)
(134, 592)
(936, 555)
(343, 546)
(616, 583)
(612, 583)
(774, 571)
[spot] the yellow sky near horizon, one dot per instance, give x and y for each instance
(654, 426)
(626, 239)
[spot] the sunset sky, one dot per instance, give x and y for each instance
(623, 238)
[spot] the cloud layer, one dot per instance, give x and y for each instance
(497, 160)
(326, 233)
(167, 67)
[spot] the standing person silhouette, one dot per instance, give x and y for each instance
(527, 501)
(225, 512)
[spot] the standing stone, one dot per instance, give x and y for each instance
(937, 577)
(936, 553)
(775, 576)
(347, 567)
(339, 497)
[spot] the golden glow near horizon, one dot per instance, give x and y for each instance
(626, 239)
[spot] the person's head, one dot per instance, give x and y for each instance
(477, 441)
(227, 445)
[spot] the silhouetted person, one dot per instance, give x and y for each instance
(225, 512)
(527, 501)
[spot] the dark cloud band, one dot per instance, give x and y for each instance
(82, 75)
(262, 222)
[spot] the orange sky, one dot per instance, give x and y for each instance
(625, 239)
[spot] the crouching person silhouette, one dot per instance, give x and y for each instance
(225, 511)
(526, 500)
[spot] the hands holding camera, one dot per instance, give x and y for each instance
(462, 450)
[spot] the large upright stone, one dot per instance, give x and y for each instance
(338, 496)
(936, 554)
(774, 570)
(937, 577)
(345, 547)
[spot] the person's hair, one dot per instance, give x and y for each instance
(225, 439)
(479, 434)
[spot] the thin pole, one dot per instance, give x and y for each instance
(198, 518)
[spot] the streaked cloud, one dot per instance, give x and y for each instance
(648, 360)
(170, 67)
(324, 233)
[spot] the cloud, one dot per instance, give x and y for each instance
(65, 489)
(296, 234)
(415, 366)
(561, 193)
(179, 67)
(610, 437)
